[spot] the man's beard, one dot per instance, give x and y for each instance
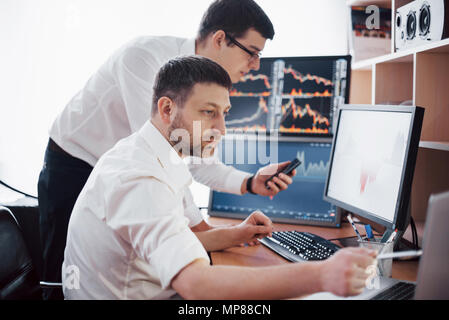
(182, 139)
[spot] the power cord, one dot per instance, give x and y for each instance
(414, 234)
(18, 191)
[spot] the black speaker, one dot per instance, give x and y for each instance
(421, 21)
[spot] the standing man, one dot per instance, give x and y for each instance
(114, 104)
(128, 236)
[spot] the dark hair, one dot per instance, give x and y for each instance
(235, 17)
(177, 77)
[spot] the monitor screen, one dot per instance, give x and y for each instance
(291, 95)
(372, 162)
(301, 203)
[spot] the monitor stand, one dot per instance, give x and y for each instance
(400, 244)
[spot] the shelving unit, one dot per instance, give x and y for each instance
(417, 76)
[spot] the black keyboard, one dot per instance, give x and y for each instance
(400, 291)
(300, 246)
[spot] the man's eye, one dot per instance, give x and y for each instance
(208, 112)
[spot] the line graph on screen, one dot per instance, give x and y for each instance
(292, 95)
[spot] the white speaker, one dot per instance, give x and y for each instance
(421, 21)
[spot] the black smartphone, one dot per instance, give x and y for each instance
(287, 170)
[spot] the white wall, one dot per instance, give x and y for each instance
(48, 49)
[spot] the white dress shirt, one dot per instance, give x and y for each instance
(116, 101)
(128, 235)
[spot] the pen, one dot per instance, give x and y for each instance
(392, 236)
(400, 254)
(353, 227)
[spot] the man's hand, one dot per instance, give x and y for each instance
(255, 227)
(277, 184)
(214, 238)
(345, 273)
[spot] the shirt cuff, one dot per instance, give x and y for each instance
(176, 253)
(234, 181)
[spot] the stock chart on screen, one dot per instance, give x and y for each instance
(301, 203)
(291, 95)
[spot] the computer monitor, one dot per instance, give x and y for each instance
(290, 95)
(301, 203)
(372, 162)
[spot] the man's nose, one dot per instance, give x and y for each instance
(221, 125)
(255, 64)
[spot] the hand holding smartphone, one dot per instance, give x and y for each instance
(287, 170)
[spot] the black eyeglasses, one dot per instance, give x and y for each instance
(253, 55)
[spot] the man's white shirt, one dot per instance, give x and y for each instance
(128, 234)
(116, 102)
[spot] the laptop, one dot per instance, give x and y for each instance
(433, 272)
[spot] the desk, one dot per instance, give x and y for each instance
(262, 256)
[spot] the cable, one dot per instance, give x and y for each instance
(414, 233)
(413, 227)
(415, 243)
(14, 189)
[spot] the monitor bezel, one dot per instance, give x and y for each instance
(348, 59)
(237, 215)
(402, 213)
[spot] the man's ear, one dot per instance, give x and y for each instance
(218, 39)
(166, 109)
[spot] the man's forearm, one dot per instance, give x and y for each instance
(216, 175)
(217, 238)
(229, 282)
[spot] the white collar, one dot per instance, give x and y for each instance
(173, 165)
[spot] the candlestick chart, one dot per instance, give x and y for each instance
(295, 95)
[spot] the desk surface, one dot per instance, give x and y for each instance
(262, 256)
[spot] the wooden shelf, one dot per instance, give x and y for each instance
(394, 81)
(435, 145)
(420, 76)
(406, 55)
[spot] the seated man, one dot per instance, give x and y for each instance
(114, 103)
(128, 236)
